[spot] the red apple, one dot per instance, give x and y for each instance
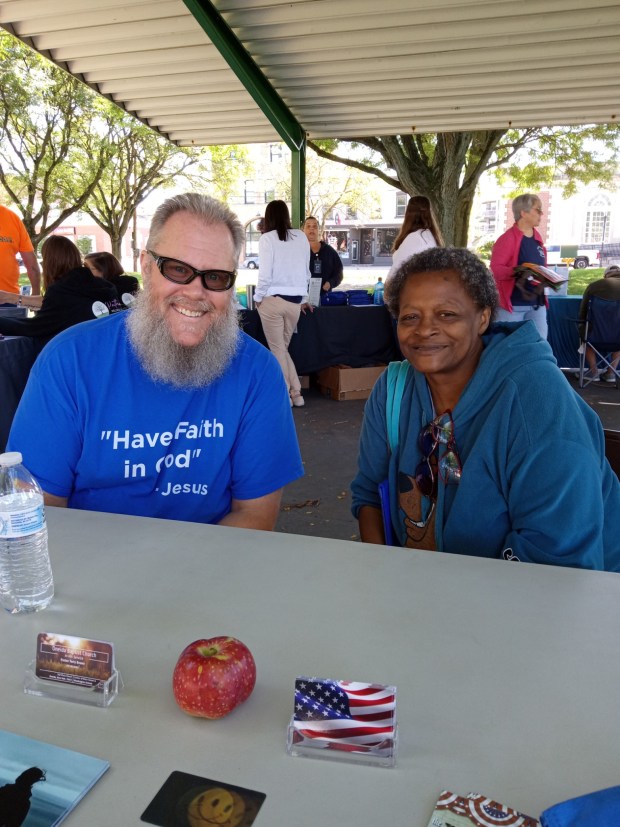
(213, 676)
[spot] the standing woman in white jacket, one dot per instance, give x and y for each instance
(419, 231)
(282, 290)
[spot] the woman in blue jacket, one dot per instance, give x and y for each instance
(493, 453)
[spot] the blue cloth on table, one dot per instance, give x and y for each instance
(336, 298)
(358, 297)
(599, 809)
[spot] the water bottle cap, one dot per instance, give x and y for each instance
(10, 458)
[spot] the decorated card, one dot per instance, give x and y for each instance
(474, 810)
(345, 715)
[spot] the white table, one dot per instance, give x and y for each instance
(508, 674)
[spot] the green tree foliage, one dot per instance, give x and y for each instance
(227, 167)
(84, 245)
(329, 187)
(51, 152)
(63, 149)
(140, 162)
(446, 167)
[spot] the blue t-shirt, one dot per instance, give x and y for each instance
(94, 427)
(530, 251)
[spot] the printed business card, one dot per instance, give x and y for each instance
(75, 660)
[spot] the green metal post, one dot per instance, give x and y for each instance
(248, 72)
(263, 93)
(298, 186)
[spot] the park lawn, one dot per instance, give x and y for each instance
(578, 280)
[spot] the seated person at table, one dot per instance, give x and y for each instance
(108, 267)
(166, 410)
(606, 288)
(325, 263)
(496, 455)
(72, 294)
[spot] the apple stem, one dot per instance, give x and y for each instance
(210, 651)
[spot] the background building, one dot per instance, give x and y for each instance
(362, 215)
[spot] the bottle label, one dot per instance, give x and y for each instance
(21, 523)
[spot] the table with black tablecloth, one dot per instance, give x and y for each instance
(349, 335)
(17, 355)
(359, 336)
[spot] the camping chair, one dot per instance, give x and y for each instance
(612, 450)
(602, 334)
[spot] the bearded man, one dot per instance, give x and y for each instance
(167, 410)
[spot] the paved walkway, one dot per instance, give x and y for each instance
(320, 503)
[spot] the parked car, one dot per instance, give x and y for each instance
(251, 262)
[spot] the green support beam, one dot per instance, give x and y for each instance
(298, 186)
(263, 93)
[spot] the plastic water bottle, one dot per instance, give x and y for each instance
(377, 297)
(26, 582)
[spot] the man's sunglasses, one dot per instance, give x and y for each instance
(438, 432)
(181, 273)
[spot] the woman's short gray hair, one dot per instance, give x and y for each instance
(477, 279)
(524, 203)
(210, 210)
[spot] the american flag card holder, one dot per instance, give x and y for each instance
(345, 721)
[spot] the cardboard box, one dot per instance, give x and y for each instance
(342, 382)
(304, 381)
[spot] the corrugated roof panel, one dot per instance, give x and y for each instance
(343, 67)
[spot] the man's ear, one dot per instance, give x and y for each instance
(146, 260)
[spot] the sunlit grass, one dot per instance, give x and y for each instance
(578, 280)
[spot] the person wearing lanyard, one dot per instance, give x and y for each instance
(325, 263)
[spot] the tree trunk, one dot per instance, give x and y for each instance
(117, 244)
(445, 169)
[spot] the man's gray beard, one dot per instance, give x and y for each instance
(166, 360)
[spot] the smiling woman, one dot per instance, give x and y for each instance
(484, 434)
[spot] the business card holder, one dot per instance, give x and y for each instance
(101, 694)
(381, 755)
(344, 721)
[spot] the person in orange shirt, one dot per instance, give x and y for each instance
(13, 240)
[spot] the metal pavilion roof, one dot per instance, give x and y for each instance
(344, 68)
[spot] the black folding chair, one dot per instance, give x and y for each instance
(602, 334)
(612, 450)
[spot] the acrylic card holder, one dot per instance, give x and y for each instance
(344, 721)
(76, 669)
(101, 694)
